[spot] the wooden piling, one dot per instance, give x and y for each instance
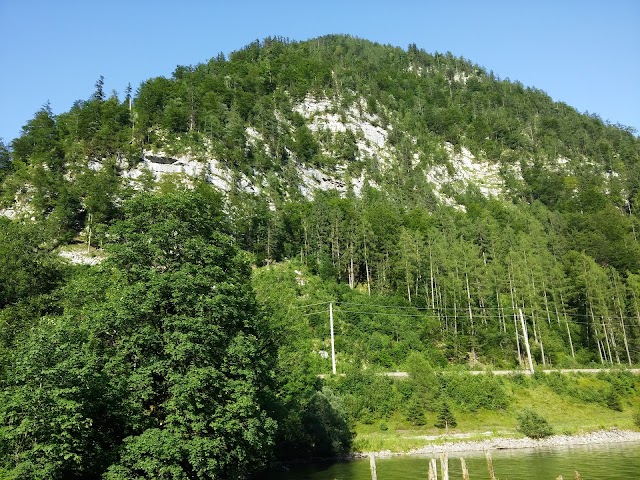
(444, 466)
(433, 470)
(465, 472)
(492, 475)
(577, 476)
(372, 464)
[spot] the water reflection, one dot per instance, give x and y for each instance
(619, 461)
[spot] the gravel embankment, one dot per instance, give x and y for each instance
(601, 437)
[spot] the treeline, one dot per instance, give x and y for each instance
(423, 96)
(420, 94)
(471, 273)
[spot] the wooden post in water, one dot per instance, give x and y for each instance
(492, 475)
(560, 478)
(372, 464)
(433, 470)
(577, 476)
(465, 472)
(444, 466)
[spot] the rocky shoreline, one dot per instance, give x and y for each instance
(447, 443)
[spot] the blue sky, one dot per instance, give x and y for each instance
(584, 53)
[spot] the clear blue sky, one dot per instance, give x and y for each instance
(581, 52)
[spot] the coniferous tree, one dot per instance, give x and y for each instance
(445, 418)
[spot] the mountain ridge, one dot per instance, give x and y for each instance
(365, 162)
(174, 113)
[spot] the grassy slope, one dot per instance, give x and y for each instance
(567, 416)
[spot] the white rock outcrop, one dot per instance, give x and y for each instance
(160, 163)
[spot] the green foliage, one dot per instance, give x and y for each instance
(326, 424)
(473, 392)
(57, 419)
(533, 425)
(607, 389)
(423, 379)
(613, 401)
(636, 417)
(27, 267)
(40, 141)
(445, 418)
(367, 396)
(5, 160)
(168, 355)
(414, 412)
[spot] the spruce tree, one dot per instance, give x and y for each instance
(445, 417)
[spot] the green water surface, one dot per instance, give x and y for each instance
(603, 462)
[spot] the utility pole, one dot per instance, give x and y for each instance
(526, 340)
(89, 239)
(333, 348)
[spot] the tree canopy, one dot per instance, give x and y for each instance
(157, 365)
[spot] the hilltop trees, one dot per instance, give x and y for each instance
(5, 160)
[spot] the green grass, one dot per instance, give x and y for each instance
(566, 415)
(571, 416)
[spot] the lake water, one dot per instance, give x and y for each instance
(619, 461)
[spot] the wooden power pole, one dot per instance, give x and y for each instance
(333, 348)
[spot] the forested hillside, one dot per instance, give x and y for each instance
(437, 207)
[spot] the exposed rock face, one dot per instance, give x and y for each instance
(161, 163)
(371, 137)
(78, 257)
(373, 148)
(10, 213)
(464, 168)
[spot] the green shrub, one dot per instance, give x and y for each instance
(623, 382)
(520, 379)
(422, 377)
(636, 417)
(366, 416)
(445, 418)
(473, 392)
(415, 412)
(557, 382)
(533, 425)
(613, 401)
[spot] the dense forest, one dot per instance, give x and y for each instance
(443, 214)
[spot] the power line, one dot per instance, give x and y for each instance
(311, 305)
(464, 306)
(462, 313)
